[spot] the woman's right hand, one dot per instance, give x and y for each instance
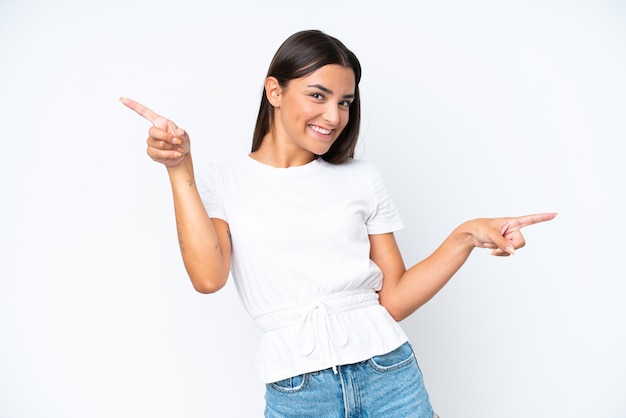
(167, 143)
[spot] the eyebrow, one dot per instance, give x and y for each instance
(329, 91)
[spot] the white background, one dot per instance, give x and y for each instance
(470, 109)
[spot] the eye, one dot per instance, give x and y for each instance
(318, 96)
(345, 103)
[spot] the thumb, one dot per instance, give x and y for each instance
(505, 247)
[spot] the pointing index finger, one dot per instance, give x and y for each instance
(141, 110)
(528, 220)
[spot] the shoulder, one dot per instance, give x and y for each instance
(361, 169)
(351, 165)
(357, 174)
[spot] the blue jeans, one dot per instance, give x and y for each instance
(386, 386)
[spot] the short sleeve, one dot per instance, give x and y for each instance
(209, 181)
(384, 217)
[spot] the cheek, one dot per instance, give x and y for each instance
(300, 113)
(344, 120)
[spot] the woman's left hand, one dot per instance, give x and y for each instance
(502, 235)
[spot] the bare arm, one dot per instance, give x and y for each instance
(204, 243)
(404, 291)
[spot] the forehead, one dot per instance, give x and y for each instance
(333, 76)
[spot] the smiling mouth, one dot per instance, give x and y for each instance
(321, 130)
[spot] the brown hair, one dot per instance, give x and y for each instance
(300, 55)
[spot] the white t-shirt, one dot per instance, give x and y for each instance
(300, 259)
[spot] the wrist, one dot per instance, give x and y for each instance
(463, 236)
(183, 171)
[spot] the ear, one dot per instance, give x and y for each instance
(273, 91)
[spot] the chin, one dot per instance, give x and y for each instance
(321, 150)
(320, 153)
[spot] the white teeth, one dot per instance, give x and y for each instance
(321, 130)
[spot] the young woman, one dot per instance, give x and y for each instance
(307, 232)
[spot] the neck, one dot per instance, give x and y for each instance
(275, 154)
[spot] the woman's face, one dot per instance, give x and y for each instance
(310, 112)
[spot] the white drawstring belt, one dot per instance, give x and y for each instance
(318, 318)
(318, 322)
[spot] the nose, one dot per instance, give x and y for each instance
(331, 114)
